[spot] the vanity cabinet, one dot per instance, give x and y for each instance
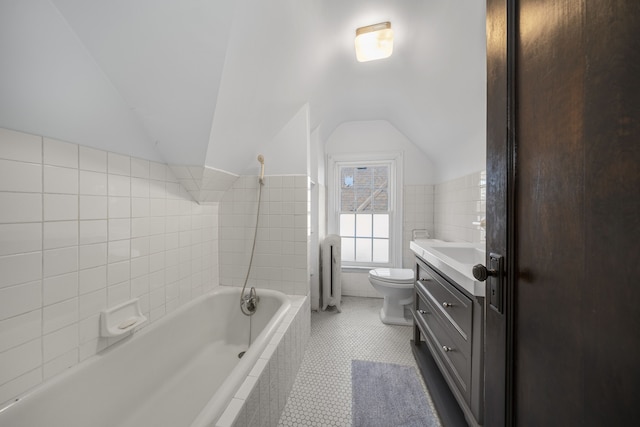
(448, 320)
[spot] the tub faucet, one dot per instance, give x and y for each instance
(249, 302)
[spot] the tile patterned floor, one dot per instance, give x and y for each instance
(321, 394)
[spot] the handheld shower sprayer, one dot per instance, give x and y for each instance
(249, 303)
(261, 160)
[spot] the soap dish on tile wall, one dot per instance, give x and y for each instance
(121, 319)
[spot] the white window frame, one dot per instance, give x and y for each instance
(395, 191)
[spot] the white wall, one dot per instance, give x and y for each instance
(318, 218)
(52, 86)
(268, 71)
(190, 80)
(316, 157)
(81, 230)
(165, 58)
(284, 154)
(380, 135)
(288, 152)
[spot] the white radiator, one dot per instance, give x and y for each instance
(331, 278)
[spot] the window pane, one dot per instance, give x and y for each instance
(348, 225)
(381, 225)
(363, 250)
(363, 225)
(346, 177)
(363, 177)
(364, 212)
(381, 177)
(380, 250)
(348, 200)
(348, 249)
(380, 201)
(363, 200)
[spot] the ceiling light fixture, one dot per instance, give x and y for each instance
(374, 42)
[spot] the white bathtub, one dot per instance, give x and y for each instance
(181, 371)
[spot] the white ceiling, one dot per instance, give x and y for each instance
(215, 79)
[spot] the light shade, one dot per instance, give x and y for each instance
(374, 42)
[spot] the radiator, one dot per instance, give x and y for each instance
(331, 278)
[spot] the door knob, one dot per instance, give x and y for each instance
(494, 289)
(480, 272)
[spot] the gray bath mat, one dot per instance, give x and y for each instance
(388, 395)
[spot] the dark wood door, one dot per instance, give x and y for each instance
(569, 180)
(500, 158)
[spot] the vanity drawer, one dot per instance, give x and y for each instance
(456, 306)
(462, 342)
(440, 333)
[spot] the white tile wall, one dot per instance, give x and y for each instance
(60, 153)
(458, 204)
(20, 359)
(82, 229)
(20, 238)
(20, 146)
(20, 207)
(280, 260)
(93, 160)
(417, 214)
(20, 329)
(60, 234)
(60, 180)
(19, 176)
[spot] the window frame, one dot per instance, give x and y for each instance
(395, 190)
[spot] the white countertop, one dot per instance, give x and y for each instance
(455, 260)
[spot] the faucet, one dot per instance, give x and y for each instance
(482, 223)
(420, 234)
(249, 302)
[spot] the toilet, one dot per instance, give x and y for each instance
(396, 285)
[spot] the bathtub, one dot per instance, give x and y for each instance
(182, 370)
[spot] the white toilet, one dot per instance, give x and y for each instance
(396, 285)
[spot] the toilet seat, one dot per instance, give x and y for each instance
(398, 276)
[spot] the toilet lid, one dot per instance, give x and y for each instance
(396, 275)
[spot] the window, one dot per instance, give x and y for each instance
(364, 211)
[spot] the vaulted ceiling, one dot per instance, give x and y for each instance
(215, 79)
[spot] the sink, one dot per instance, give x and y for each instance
(455, 260)
(463, 255)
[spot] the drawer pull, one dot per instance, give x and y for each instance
(447, 304)
(446, 349)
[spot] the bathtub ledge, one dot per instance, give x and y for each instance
(230, 414)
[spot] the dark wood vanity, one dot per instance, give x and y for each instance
(448, 343)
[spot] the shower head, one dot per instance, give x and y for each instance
(261, 160)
